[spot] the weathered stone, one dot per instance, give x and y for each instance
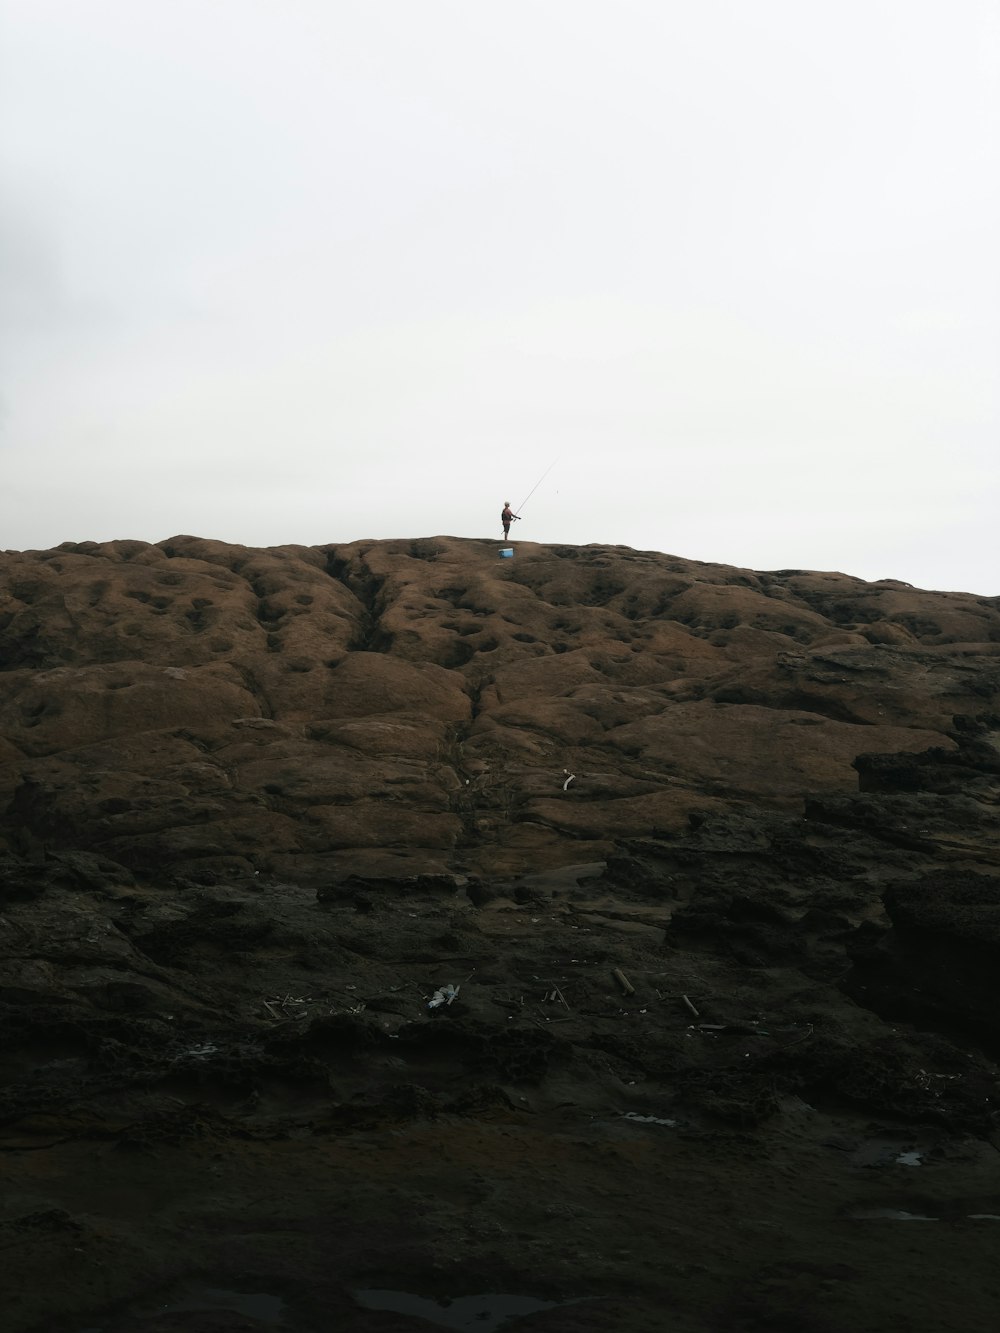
(187, 702)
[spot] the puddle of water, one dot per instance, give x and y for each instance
(891, 1215)
(482, 1313)
(886, 1152)
(252, 1304)
(648, 1119)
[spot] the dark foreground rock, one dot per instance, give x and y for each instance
(723, 1052)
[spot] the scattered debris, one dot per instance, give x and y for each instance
(291, 1007)
(795, 1040)
(648, 1119)
(200, 1052)
(623, 981)
(445, 995)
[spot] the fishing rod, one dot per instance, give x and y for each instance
(537, 484)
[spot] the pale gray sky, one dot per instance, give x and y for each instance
(314, 270)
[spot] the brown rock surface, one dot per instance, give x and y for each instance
(432, 698)
(711, 856)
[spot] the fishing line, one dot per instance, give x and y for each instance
(537, 484)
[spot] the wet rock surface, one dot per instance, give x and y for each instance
(707, 858)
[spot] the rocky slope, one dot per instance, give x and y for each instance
(712, 856)
(414, 707)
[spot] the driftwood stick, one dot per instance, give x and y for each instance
(795, 1040)
(623, 981)
(691, 1006)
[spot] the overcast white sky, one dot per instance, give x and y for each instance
(314, 270)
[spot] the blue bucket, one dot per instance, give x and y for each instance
(506, 553)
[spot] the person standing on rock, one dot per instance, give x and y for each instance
(507, 516)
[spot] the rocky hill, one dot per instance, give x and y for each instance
(710, 855)
(417, 706)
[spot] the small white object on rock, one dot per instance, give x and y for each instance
(443, 996)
